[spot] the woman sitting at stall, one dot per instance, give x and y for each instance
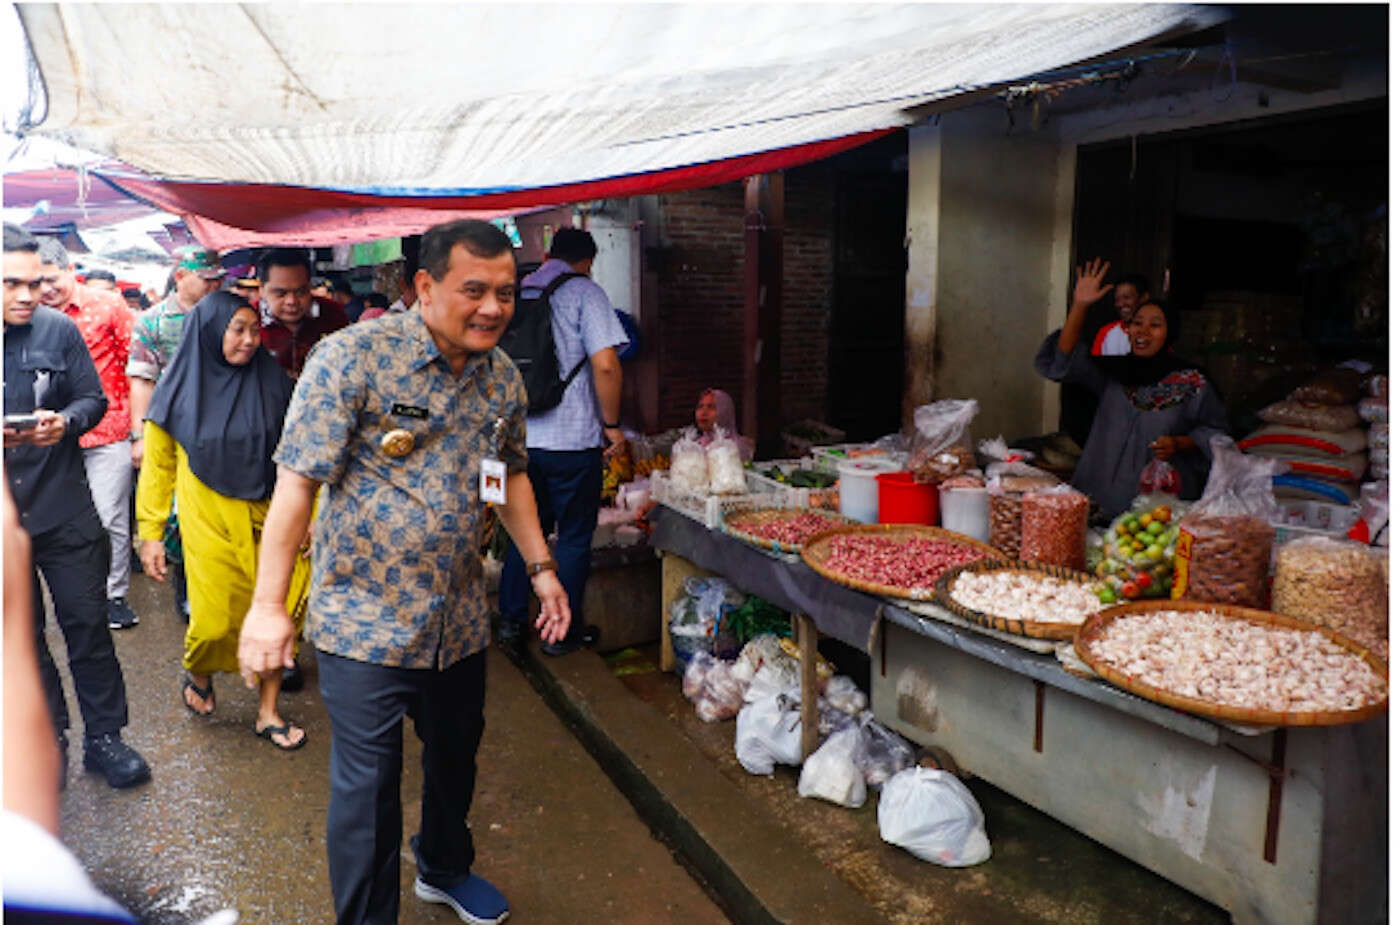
(1151, 402)
(213, 423)
(715, 411)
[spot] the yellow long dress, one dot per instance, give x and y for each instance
(220, 536)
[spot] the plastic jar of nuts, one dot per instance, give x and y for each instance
(1053, 527)
(1004, 520)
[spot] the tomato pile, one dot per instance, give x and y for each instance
(902, 563)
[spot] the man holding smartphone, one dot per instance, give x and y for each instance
(50, 376)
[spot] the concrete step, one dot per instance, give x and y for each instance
(759, 872)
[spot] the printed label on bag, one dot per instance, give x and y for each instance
(1181, 571)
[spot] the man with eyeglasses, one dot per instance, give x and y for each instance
(293, 319)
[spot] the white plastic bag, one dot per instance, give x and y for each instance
(1006, 461)
(725, 465)
(830, 772)
(934, 817)
(842, 693)
(769, 730)
(689, 470)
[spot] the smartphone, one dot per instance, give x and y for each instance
(21, 421)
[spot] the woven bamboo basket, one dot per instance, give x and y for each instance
(818, 549)
(770, 514)
(1094, 627)
(943, 593)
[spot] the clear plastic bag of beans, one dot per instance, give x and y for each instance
(1004, 519)
(1225, 541)
(1054, 523)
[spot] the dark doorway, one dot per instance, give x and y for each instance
(866, 360)
(1268, 235)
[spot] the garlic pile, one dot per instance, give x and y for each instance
(1026, 596)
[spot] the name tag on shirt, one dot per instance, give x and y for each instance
(410, 411)
(493, 481)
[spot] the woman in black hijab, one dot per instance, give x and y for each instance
(1151, 402)
(213, 423)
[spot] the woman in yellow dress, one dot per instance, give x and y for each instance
(213, 423)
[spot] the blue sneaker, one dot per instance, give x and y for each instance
(474, 900)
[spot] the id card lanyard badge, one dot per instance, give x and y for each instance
(493, 471)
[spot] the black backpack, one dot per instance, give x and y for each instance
(529, 339)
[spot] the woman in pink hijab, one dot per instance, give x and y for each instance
(715, 409)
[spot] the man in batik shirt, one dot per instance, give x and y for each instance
(413, 422)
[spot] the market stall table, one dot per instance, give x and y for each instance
(1273, 825)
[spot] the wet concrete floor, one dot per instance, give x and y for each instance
(230, 822)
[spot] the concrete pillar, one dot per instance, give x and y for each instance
(920, 312)
(982, 249)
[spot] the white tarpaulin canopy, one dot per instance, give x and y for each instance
(462, 100)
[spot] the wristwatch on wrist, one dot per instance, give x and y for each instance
(544, 565)
(607, 426)
(137, 435)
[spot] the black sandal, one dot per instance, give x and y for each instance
(285, 730)
(203, 693)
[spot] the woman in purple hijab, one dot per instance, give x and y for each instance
(715, 411)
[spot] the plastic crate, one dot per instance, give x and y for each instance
(711, 510)
(823, 498)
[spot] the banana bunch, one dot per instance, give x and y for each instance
(616, 471)
(645, 467)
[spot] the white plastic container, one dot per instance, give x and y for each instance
(964, 510)
(860, 493)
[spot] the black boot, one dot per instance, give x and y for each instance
(121, 764)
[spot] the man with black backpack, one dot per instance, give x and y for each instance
(564, 338)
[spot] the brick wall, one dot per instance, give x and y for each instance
(701, 294)
(808, 249)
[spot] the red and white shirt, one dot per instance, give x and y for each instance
(1112, 341)
(105, 321)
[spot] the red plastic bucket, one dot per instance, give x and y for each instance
(905, 501)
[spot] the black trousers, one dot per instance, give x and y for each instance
(73, 558)
(364, 824)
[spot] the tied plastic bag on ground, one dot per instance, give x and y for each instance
(710, 684)
(941, 447)
(883, 753)
(830, 773)
(842, 693)
(934, 817)
(769, 730)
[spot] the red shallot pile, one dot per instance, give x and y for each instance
(1238, 663)
(915, 563)
(795, 528)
